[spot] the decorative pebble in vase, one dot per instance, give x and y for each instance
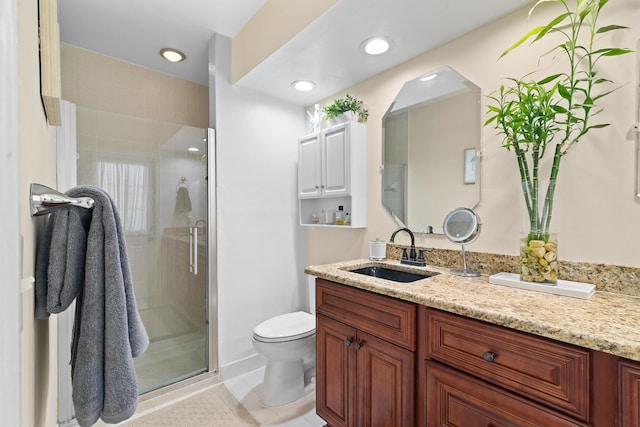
(539, 258)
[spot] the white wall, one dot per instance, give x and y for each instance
(36, 163)
(9, 224)
(595, 213)
(260, 247)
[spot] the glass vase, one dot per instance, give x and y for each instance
(539, 258)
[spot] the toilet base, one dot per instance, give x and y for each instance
(284, 382)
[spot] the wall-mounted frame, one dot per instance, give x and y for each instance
(50, 81)
(470, 166)
(634, 132)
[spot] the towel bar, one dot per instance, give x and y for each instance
(45, 200)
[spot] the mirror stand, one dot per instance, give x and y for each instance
(462, 226)
(464, 271)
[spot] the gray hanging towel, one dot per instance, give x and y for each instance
(83, 255)
(183, 201)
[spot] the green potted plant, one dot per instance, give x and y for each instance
(347, 108)
(549, 116)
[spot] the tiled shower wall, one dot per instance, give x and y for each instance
(103, 83)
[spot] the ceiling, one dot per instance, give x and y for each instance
(326, 52)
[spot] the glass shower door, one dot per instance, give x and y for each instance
(156, 172)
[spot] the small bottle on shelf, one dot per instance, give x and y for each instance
(341, 217)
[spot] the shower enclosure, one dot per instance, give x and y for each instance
(158, 175)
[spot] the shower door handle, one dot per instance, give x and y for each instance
(193, 250)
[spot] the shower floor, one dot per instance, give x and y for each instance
(177, 349)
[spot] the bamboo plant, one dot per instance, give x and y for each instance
(552, 114)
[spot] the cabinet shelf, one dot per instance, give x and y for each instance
(332, 168)
(330, 225)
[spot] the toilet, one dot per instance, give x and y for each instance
(288, 342)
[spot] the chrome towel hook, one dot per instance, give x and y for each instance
(45, 200)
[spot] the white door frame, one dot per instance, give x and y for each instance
(67, 177)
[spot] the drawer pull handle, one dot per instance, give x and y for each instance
(489, 356)
(348, 341)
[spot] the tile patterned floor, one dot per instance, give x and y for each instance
(302, 413)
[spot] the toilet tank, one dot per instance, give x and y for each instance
(311, 294)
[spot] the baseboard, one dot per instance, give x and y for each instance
(241, 366)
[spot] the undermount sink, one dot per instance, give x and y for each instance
(394, 275)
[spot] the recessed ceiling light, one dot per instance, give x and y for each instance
(194, 149)
(303, 85)
(376, 45)
(172, 55)
(429, 77)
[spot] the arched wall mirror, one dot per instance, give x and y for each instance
(431, 137)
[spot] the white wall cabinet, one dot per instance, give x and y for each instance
(332, 172)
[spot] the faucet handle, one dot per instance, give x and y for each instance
(404, 254)
(420, 254)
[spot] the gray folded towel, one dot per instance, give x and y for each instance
(183, 201)
(83, 255)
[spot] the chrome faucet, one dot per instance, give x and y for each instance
(410, 259)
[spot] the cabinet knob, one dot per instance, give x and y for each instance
(348, 341)
(358, 345)
(489, 356)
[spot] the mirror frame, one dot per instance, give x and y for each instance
(469, 236)
(408, 97)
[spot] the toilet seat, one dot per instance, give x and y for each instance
(286, 327)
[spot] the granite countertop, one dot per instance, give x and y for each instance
(607, 322)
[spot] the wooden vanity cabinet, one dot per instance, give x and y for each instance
(365, 357)
(629, 391)
(387, 362)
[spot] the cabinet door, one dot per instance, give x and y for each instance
(335, 372)
(458, 400)
(336, 161)
(629, 395)
(388, 318)
(385, 383)
(309, 158)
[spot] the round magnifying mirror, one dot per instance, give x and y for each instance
(462, 226)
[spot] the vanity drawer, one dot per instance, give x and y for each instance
(543, 370)
(457, 399)
(385, 317)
